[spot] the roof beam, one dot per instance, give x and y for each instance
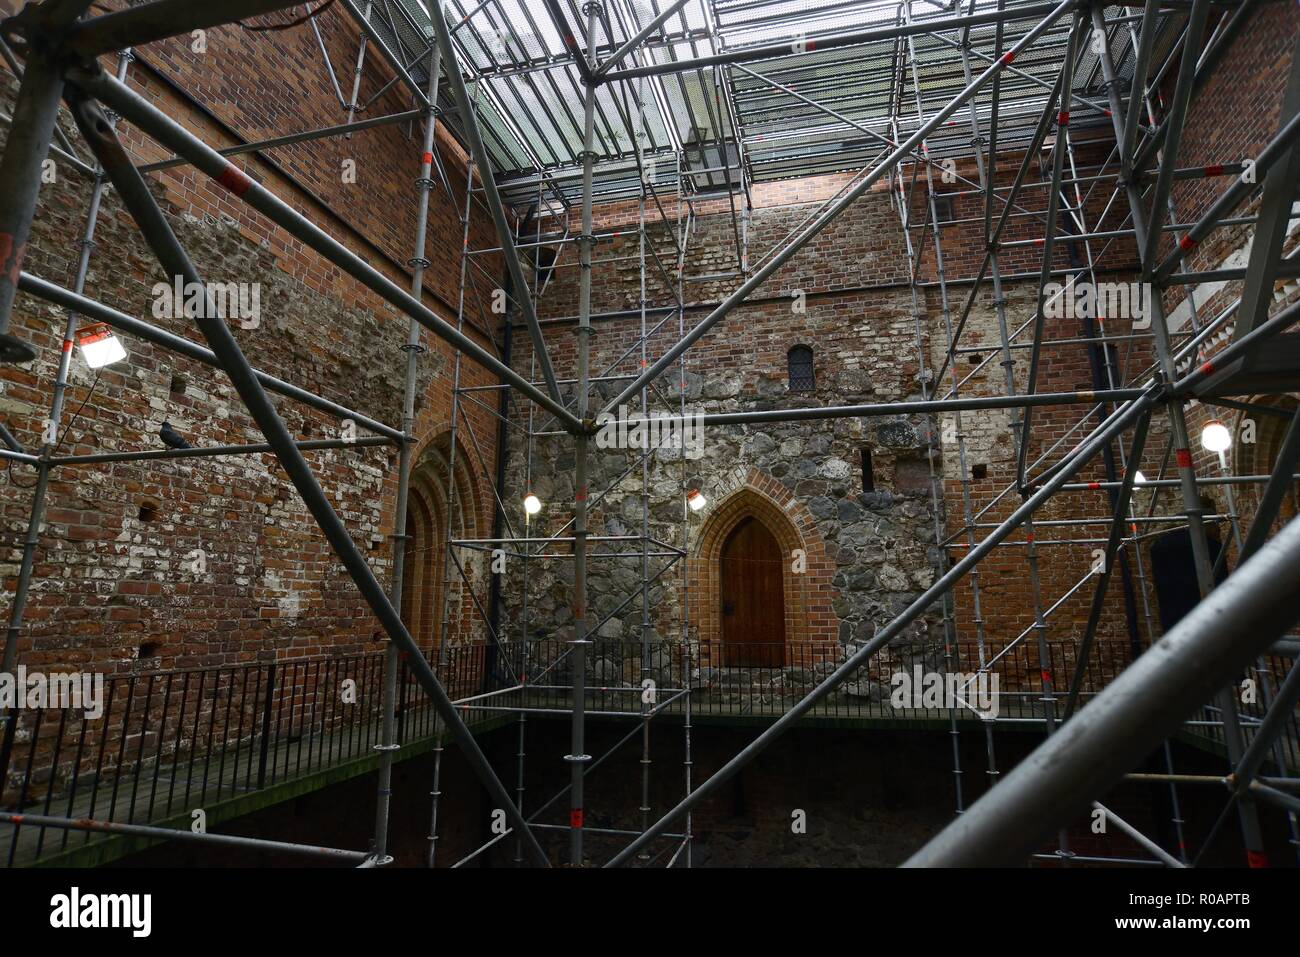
(770, 51)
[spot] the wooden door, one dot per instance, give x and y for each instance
(753, 598)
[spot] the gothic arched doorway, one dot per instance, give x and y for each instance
(752, 592)
(793, 591)
(432, 497)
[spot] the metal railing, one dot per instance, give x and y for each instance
(751, 678)
(169, 743)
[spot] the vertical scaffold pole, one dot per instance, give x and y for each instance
(577, 756)
(1145, 233)
(412, 348)
(444, 613)
(639, 136)
(31, 541)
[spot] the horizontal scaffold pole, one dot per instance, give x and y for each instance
(93, 309)
(771, 51)
(148, 22)
(182, 835)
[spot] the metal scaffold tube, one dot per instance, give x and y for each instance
(1141, 707)
(44, 465)
(158, 233)
(577, 756)
(1146, 236)
(182, 143)
(505, 234)
(119, 320)
(444, 635)
(399, 538)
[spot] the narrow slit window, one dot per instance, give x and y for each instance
(800, 363)
(868, 472)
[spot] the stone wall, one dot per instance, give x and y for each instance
(871, 343)
(866, 554)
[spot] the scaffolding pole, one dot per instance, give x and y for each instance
(1142, 707)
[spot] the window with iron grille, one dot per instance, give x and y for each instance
(800, 360)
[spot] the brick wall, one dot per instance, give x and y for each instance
(113, 587)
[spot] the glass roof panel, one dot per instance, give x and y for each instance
(797, 111)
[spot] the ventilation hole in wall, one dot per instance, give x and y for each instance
(148, 511)
(975, 359)
(177, 385)
(149, 649)
(868, 472)
(979, 471)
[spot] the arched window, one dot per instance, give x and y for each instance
(800, 363)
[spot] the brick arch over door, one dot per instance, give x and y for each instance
(1260, 456)
(809, 616)
(422, 579)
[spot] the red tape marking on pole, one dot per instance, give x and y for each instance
(235, 181)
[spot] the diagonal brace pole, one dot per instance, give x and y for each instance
(483, 166)
(904, 149)
(1119, 421)
(158, 233)
(1143, 706)
(180, 141)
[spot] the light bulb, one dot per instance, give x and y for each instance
(1215, 437)
(532, 504)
